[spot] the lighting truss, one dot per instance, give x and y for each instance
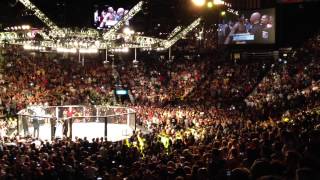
(44, 35)
(134, 41)
(67, 38)
(182, 34)
(80, 34)
(8, 36)
(174, 32)
(55, 30)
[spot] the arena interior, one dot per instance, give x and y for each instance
(160, 90)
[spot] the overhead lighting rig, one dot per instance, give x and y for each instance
(55, 30)
(174, 32)
(89, 40)
(18, 28)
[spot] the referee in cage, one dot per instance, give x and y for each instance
(53, 123)
(36, 126)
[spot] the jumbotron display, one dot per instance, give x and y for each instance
(107, 16)
(250, 27)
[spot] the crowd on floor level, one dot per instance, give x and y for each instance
(207, 119)
(214, 150)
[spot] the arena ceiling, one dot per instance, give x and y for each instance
(157, 16)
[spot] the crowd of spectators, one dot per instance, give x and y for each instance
(192, 135)
(291, 82)
(229, 82)
(43, 78)
(213, 150)
(154, 84)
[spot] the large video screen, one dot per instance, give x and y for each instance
(249, 27)
(107, 16)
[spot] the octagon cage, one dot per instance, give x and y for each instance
(48, 122)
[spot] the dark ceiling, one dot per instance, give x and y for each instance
(159, 15)
(79, 13)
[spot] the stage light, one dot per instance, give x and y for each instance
(30, 47)
(125, 50)
(97, 44)
(199, 2)
(227, 4)
(209, 4)
(218, 2)
(223, 13)
(66, 50)
(29, 34)
(160, 49)
(25, 27)
(128, 31)
(146, 49)
(27, 47)
(88, 51)
(230, 10)
(60, 49)
(76, 43)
